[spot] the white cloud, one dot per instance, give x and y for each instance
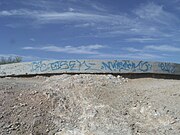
(20, 12)
(90, 49)
(98, 7)
(150, 48)
(42, 17)
(144, 53)
(156, 13)
(71, 9)
(149, 11)
(68, 16)
(149, 20)
(32, 39)
(24, 57)
(141, 40)
(85, 25)
(14, 25)
(132, 49)
(79, 17)
(166, 48)
(5, 13)
(40, 4)
(145, 21)
(28, 48)
(135, 56)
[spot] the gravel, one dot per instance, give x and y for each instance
(87, 104)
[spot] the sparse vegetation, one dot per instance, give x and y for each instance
(9, 60)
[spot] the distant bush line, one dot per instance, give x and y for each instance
(9, 60)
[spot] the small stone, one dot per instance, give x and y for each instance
(103, 84)
(126, 80)
(23, 104)
(37, 115)
(119, 76)
(8, 126)
(47, 130)
(1, 116)
(32, 107)
(34, 92)
(58, 133)
(15, 106)
(109, 76)
(2, 124)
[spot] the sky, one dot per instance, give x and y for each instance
(90, 29)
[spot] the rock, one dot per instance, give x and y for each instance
(23, 104)
(34, 92)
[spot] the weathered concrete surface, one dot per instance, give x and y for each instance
(89, 66)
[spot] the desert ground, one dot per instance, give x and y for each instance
(88, 104)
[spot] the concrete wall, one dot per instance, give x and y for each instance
(89, 66)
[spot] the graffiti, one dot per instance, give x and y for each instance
(39, 66)
(127, 66)
(89, 66)
(100, 66)
(59, 65)
(167, 67)
(77, 65)
(73, 65)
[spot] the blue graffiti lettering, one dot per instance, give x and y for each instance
(55, 65)
(167, 67)
(127, 66)
(63, 65)
(39, 66)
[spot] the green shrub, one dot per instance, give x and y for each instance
(9, 60)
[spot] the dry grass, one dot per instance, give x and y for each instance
(9, 60)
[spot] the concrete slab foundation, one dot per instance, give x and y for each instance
(88, 66)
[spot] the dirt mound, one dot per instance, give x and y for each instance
(89, 105)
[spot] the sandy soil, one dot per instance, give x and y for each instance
(89, 105)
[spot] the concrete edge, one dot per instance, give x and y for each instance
(89, 66)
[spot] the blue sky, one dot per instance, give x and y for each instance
(90, 29)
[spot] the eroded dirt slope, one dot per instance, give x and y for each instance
(89, 105)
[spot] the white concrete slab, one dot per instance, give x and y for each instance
(89, 66)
